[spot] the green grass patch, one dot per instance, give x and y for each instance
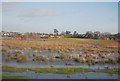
(60, 70)
(12, 77)
(74, 39)
(12, 69)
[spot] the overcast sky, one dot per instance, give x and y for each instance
(43, 17)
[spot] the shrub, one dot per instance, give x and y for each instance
(52, 59)
(101, 62)
(8, 59)
(41, 58)
(65, 56)
(82, 60)
(113, 61)
(93, 62)
(69, 63)
(23, 58)
(3, 50)
(34, 54)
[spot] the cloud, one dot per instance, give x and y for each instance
(44, 13)
(14, 8)
(7, 6)
(39, 12)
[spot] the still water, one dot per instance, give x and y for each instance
(88, 75)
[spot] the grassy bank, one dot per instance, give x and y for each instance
(12, 77)
(59, 70)
(12, 69)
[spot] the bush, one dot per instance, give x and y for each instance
(8, 59)
(65, 56)
(3, 50)
(101, 62)
(23, 58)
(93, 62)
(41, 58)
(78, 60)
(52, 59)
(113, 61)
(69, 63)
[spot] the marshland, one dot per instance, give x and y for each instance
(62, 57)
(59, 40)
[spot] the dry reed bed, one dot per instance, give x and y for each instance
(89, 46)
(65, 46)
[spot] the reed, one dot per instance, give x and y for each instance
(52, 59)
(64, 44)
(41, 58)
(101, 62)
(65, 56)
(69, 63)
(22, 58)
(3, 50)
(89, 47)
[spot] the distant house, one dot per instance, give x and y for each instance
(60, 36)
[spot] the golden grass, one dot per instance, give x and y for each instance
(63, 44)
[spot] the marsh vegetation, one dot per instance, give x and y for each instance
(80, 50)
(70, 51)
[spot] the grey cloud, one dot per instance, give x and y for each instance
(40, 12)
(7, 6)
(44, 13)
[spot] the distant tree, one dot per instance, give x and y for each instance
(107, 33)
(2, 31)
(89, 34)
(56, 31)
(97, 33)
(63, 33)
(68, 32)
(75, 33)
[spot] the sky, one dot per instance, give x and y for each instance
(44, 17)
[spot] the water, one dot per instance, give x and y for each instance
(88, 75)
(58, 63)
